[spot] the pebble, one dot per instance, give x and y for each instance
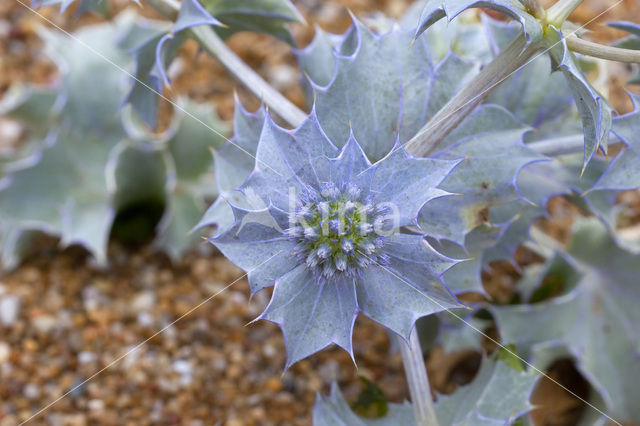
(145, 319)
(86, 357)
(283, 76)
(31, 391)
(143, 301)
(5, 352)
(44, 323)
(185, 370)
(9, 309)
(95, 405)
(329, 372)
(274, 384)
(5, 28)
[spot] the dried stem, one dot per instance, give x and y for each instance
(418, 381)
(515, 55)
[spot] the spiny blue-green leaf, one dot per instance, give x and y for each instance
(63, 190)
(32, 105)
(234, 161)
(185, 156)
(381, 90)
(466, 276)
(299, 177)
(626, 126)
(546, 105)
(537, 183)
(537, 104)
(498, 395)
(465, 39)
(183, 208)
(491, 140)
(485, 401)
(154, 46)
(64, 194)
(461, 331)
(622, 173)
(15, 244)
(317, 59)
(312, 314)
(594, 109)
(630, 42)
(333, 410)
(266, 16)
(32, 108)
(197, 131)
(435, 10)
(89, 165)
(141, 41)
(138, 173)
(595, 318)
(191, 14)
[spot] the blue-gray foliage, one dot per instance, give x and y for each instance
(484, 402)
(86, 158)
(325, 230)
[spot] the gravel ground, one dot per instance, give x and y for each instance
(63, 322)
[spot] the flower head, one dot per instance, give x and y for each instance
(331, 239)
(333, 230)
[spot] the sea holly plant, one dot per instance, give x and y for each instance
(329, 237)
(545, 31)
(85, 159)
(476, 138)
(595, 309)
(428, 152)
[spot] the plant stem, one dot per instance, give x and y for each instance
(515, 55)
(214, 45)
(555, 147)
(604, 52)
(559, 12)
(418, 381)
(535, 8)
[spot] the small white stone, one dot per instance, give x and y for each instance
(86, 357)
(95, 405)
(9, 309)
(45, 323)
(269, 351)
(145, 319)
(143, 301)
(185, 370)
(5, 351)
(5, 28)
(31, 391)
(283, 76)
